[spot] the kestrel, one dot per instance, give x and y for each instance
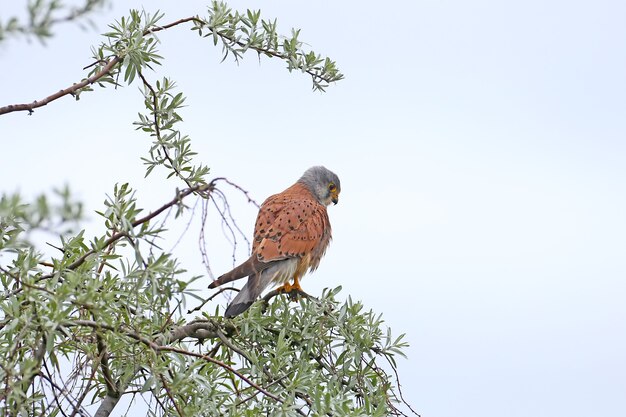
(291, 234)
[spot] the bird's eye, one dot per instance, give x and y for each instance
(332, 186)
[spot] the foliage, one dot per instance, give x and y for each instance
(44, 15)
(103, 319)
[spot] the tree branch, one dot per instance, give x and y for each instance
(30, 107)
(192, 328)
(110, 401)
(104, 365)
(117, 59)
(117, 236)
(157, 128)
(293, 295)
(197, 329)
(222, 365)
(38, 356)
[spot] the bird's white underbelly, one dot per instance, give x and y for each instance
(282, 271)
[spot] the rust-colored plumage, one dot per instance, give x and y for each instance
(291, 234)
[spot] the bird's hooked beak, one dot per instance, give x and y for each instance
(334, 197)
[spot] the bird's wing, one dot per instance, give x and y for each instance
(291, 224)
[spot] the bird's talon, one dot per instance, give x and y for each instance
(286, 288)
(292, 290)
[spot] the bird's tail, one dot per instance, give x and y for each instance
(248, 294)
(279, 271)
(250, 267)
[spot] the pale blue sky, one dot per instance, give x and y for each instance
(482, 151)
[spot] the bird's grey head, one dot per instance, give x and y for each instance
(323, 183)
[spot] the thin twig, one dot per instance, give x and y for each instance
(104, 365)
(75, 13)
(395, 371)
(157, 128)
(54, 388)
(226, 224)
(222, 365)
(221, 290)
(251, 396)
(85, 392)
(38, 356)
(169, 25)
(202, 241)
(232, 184)
(170, 396)
(232, 347)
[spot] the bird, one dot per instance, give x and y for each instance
(291, 235)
